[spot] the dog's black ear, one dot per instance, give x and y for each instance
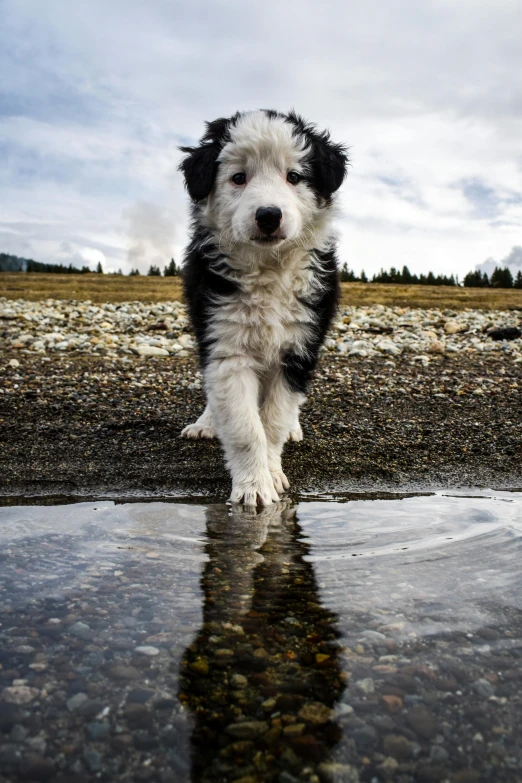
(200, 166)
(329, 163)
(199, 169)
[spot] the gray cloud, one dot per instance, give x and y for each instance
(152, 235)
(513, 261)
(97, 96)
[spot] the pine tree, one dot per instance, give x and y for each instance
(502, 278)
(154, 271)
(347, 275)
(134, 272)
(406, 275)
(171, 270)
(99, 268)
(518, 280)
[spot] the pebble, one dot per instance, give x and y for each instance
(140, 695)
(98, 731)
(397, 746)
(422, 721)
(161, 329)
(374, 637)
(19, 694)
(151, 350)
(93, 759)
(388, 767)
(438, 755)
(76, 701)
(392, 703)
(484, 688)
(200, 666)
(38, 743)
(147, 650)
(238, 681)
(247, 730)
(80, 630)
(18, 733)
(315, 713)
(333, 772)
(366, 686)
(365, 737)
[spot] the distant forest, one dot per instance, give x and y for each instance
(10, 263)
(396, 276)
(500, 277)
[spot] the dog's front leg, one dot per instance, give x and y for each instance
(232, 388)
(279, 414)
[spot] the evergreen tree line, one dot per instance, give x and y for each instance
(500, 278)
(10, 263)
(58, 269)
(170, 270)
(397, 276)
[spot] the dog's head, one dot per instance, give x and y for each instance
(264, 178)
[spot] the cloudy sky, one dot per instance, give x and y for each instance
(96, 95)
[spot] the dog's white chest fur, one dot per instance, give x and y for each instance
(265, 317)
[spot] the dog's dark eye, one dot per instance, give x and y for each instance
(293, 177)
(239, 178)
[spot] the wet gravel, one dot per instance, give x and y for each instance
(75, 423)
(114, 674)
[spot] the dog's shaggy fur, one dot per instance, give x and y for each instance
(260, 280)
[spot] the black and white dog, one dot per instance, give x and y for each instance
(261, 283)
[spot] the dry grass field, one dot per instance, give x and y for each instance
(118, 288)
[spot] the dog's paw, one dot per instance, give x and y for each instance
(259, 491)
(281, 482)
(296, 433)
(198, 430)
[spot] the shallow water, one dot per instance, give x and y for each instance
(336, 640)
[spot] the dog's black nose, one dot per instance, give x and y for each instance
(268, 219)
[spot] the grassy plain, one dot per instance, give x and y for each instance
(118, 288)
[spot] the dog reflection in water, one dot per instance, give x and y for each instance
(262, 675)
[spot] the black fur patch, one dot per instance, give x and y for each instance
(298, 368)
(200, 166)
(201, 285)
(327, 161)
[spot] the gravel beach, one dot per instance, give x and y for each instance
(93, 398)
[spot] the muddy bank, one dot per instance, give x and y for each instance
(82, 424)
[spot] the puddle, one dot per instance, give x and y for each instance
(340, 639)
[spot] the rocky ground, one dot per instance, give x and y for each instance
(135, 328)
(94, 397)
